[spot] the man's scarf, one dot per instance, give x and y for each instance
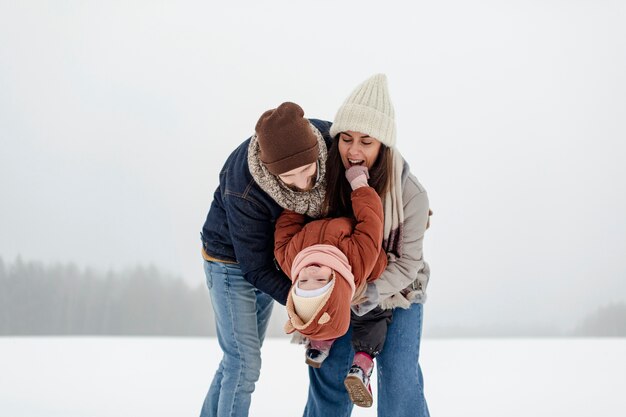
(303, 202)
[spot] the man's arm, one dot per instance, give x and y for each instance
(402, 271)
(252, 234)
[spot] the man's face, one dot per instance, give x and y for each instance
(301, 178)
(314, 276)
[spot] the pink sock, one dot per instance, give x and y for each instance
(323, 345)
(363, 360)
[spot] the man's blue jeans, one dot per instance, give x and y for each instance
(400, 381)
(242, 314)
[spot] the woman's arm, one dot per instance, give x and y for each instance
(403, 271)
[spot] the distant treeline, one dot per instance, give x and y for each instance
(62, 299)
(607, 321)
(37, 299)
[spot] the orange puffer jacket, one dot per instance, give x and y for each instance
(360, 240)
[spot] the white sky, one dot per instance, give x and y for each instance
(115, 118)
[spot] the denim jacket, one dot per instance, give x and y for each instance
(240, 224)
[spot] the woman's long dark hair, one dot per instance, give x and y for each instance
(337, 202)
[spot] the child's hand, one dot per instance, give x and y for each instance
(357, 176)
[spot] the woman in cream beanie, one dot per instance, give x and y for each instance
(364, 133)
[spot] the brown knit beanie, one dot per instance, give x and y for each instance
(286, 139)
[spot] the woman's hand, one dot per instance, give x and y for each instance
(357, 176)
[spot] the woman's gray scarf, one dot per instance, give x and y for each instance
(303, 202)
(393, 208)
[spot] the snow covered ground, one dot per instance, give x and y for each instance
(118, 377)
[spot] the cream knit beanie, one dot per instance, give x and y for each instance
(368, 110)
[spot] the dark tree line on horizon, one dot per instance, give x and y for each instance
(62, 299)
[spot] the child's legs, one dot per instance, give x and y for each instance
(369, 331)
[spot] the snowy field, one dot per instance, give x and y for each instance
(119, 377)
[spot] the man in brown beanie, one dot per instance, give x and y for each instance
(282, 166)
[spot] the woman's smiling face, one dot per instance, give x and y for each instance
(358, 148)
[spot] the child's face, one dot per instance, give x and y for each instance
(314, 276)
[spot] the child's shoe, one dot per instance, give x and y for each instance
(358, 380)
(317, 351)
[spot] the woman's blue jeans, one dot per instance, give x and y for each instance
(400, 382)
(242, 314)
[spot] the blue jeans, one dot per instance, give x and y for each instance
(242, 314)
(400, 381)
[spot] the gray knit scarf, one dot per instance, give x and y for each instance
(393, 207)
(303, 202)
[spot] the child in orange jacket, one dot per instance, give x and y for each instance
(330, 262)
